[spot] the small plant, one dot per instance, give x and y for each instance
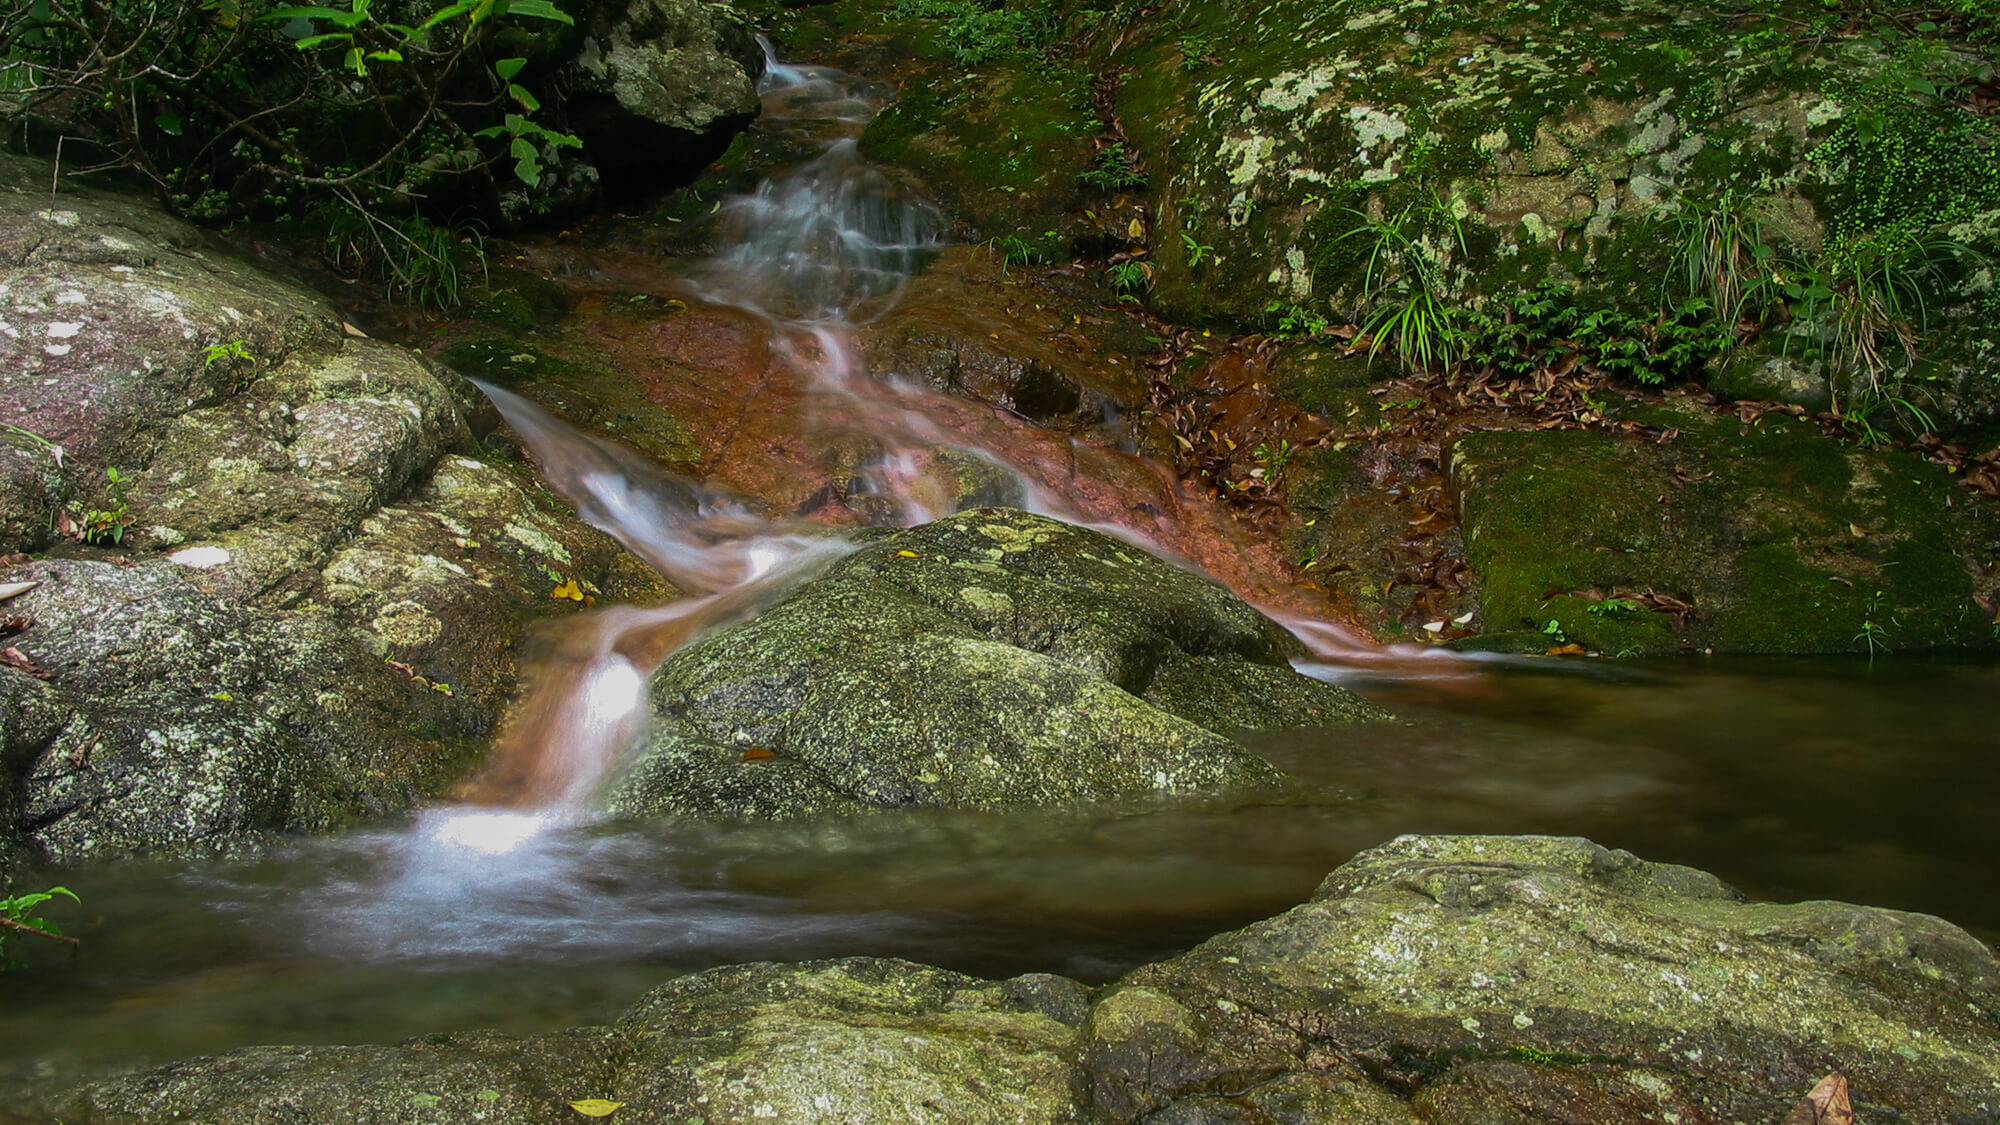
(1197, 51)
(229, 352)
(1613, 607)
(1197, 251)
(1014, 250)
(1309, 557)
(1296, 321)
(100, 526)
(1553, 629)
(1114, 170)
(1721, 252)
(1872, 634)
(1130, 279)
(1405, 283)
(1272, 458)
(18, 916)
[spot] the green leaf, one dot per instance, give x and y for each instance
(357, 62)
(508, 68)
(451, 12)
(311, 41)
(539, 10)
(523, 149)
(386, 56)
(169, 123)
(491, 131)
(529, 172)
(527, 100)
(308, 14)
(480, 10)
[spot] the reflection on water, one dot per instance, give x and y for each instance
(1791, 779)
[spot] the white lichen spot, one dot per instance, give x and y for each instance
(1292, 90)
(71, 297)
(986, 601)
(1651, 1083)
(56, 349)
(1523, 1020)
(1496, 141)
(536, 541)
(200, 558)
(1245, 157)
(1823, 111)
(1470, 1024)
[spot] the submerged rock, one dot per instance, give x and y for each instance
(1453, 980)
(991, 657)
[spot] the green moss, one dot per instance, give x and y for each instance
(1002, 149)
(1781, 540)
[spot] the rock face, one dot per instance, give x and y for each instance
(295, 508)
(659, 89)
(1454, 980)
(988, 658)
(1772, 539)
(1479, 979)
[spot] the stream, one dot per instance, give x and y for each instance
(521, 910)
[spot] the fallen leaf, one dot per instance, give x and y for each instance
(596, 1107)
(1827, 1104)
(1571, 649)
(21, 662)
(1857, 531)
(9, 626)
(757, 754)
(352, 330)
(906, 554)
(1136, 231)
(16, 589)
(568, 590)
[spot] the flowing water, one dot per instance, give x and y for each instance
(519, 910)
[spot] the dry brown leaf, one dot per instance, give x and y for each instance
(1827, 1104)
(21, 662)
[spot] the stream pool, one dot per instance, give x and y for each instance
(1792, 779)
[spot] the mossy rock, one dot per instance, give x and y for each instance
(1002, 149)
(1551, 144)
(1781, 540)
(585, 393)
(1436, 978)
(990, 658)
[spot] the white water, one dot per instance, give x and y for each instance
(812, 254)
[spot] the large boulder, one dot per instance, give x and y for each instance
(1446, 980)
(298, 600)
(658, 89)
(1733, 537)
(991, 657)
(1514, 979)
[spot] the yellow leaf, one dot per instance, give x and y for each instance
(906, 554)
(676, 303)
(1857, 530)
(596, 1107)
(568, 590)
(1135, 230)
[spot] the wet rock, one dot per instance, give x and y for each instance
(1484, 979)
(188, 718)
(860, 1039)
(1002, 149)
(475, 1076)
(991, 657)
(1465, 980)
(1776, 540)
(659, 89)
(964, 326)
(323, 597)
